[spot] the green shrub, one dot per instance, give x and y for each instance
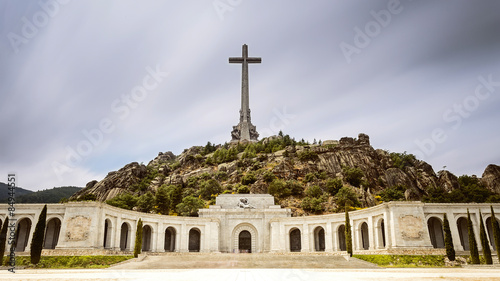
(309, 177)
(248, 179)
(314, 191)
(353, 176)
(268, 176)
(348, 233)
(394, 193)
(448, 240)
(124, 201)
(496, 231)
(346, 197)
(277, 188)
(189, 206)
(307, 155)
(402, 160)
(404, 260)
(3, 238)
(138, 239)
(312, 204)
(146, 202)
(474, 254)
(208, 188)
(221, 176)
(243, 189)
(333, 186)
(38, 235)
(485, 244)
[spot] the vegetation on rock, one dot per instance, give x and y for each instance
(318, 178)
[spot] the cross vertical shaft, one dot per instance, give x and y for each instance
(244, 130)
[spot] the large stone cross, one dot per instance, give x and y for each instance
(244, 130)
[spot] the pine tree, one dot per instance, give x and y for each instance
(138, 239)
(474, 254)
(348, 234)
(3, 238)
(448, 240)
(38, 235)
(496, 231)
(484, 241)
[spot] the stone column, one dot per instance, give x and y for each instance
(306, 245)
(184, 239)
(371, 234)
(328, 237)
(117, 234)
(387, 230)
(335, 237)
(161, 237)
(455, 236)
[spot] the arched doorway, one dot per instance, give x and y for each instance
(463, 233)
(295, 240)
(319, 239)
(170, 239)
(194, 240)
(436, 232)
(245, 242)
(22, 234)
(52, 233)
(146, 238)
(490, 232)
(107, 234)
(381, 234)
(341, 234)
(365, 240)
(124, 234)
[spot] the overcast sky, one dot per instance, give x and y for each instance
(87, 87)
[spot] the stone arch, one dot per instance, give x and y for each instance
(146, 238)
(435, 227)
(341, 235)
(170, 233)
(463, 233)
(106, 243)
(125, 236)
(22, 234)
(490, 232)
(194, 240)
(295, 240)
(365, 239)
(319, 239)
(253, 236)
(381, 233)
(52, 232)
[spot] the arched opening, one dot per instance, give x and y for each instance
(124, 234)
(381, 234)
(295, 240)
(146, 238)
(463, 233)
(107, 234)
(365, 241)
(319, 239)
(170, 239)
(490, 232)
(341, 234)
(245, 242)
(22, 234)
(436, 232)
(52, 233)
(194, 240)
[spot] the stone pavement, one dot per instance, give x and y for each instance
(412, 274)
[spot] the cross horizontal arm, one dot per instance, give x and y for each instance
(241, 60)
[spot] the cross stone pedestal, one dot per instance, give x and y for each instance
(245, 130)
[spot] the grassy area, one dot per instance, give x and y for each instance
(404, 260)
(69, 261)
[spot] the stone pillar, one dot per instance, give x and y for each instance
(335, 237)
(161, 238)
(371, 234)
(328, 237)
(184, 239)
(306, 246)
(117, 234)
(154, 238)
(387, 230)
(455, 236)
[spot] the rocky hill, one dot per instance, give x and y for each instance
(308, 178)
